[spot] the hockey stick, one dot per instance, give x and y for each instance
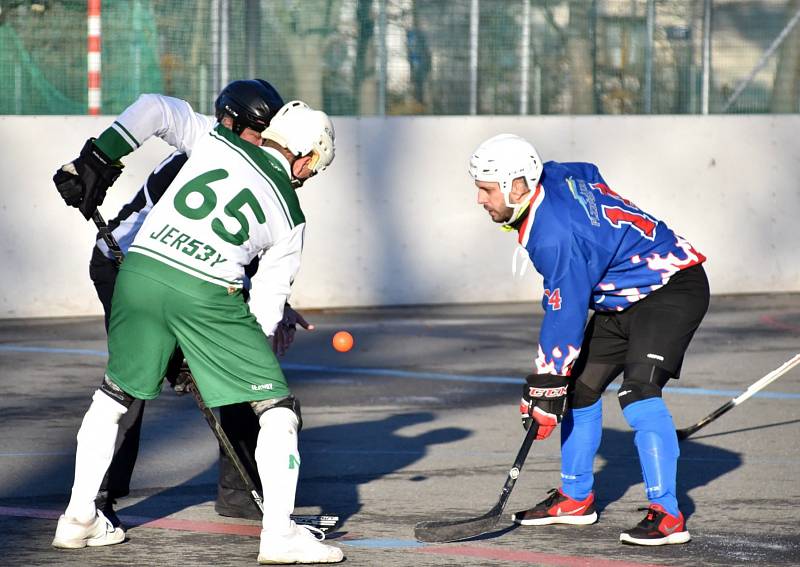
(323, 522)
(442, 531)
(729, 405)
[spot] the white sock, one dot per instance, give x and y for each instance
(278, 463)
(96, 439)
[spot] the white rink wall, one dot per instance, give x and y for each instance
(394, 220)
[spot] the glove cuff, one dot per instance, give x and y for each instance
(546, 381)
(92, 152)
(547, 393)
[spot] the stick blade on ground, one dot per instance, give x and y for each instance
(443, 531)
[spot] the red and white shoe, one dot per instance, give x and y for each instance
(558, 508)
(657, 528)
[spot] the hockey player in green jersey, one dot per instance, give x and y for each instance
(180, 285)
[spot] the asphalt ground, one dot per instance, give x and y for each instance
(419, 421)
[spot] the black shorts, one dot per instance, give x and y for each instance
(655, 330)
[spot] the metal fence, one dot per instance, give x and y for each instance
(440, 57)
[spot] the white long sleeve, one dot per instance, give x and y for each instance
(171, 119)
(271, 286)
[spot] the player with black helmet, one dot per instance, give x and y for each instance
(250, 103)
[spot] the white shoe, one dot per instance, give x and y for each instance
(298, 545)
(71, 534)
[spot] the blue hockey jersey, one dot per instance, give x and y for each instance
(596, 251)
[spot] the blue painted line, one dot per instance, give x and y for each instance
(388, 372)
(403, 374)
(381, 543)
(15, 348)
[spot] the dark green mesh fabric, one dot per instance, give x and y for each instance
(368, 57)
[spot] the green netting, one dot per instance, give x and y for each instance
(367, 57)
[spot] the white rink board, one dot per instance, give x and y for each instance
(394, 220)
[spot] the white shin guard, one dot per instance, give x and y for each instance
(278, 464)
(96, 439)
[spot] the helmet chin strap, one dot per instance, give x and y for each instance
(518, 209)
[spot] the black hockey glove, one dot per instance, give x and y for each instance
(84, 181)
(544, 400)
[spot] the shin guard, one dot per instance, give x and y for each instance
(278, 463)
(96, 439)
(581, 431)
(657, 444)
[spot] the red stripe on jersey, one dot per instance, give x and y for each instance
(528, 219)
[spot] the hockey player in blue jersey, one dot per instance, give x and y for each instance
(648, 292)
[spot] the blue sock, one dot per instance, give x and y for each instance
(581, 430)
(657, 444)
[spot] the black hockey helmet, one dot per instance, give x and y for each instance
(251, 103)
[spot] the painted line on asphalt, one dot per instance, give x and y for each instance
(508, 380)
(381, 543)
(208, 527)
(437, 376)
(51, 350)
(534, 557)
(201, 526)
(254, 530)
(778, 324)
(39, 454)
(142, 522)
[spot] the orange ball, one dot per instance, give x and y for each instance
(342, 341)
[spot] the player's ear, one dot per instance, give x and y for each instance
(519, 188)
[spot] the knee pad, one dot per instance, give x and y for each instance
(642, 382)
(116, 393)
(583, 396)
(630, 392)
(290, 402)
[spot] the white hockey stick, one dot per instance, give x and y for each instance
(755, 387)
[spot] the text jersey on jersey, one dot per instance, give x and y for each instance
(230, 201)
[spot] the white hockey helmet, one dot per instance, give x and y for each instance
(302, 130)
(503, 158)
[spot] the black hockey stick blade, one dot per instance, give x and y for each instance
(687, 431)
(324, 522)
(443, 531)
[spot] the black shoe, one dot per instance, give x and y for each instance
(233, 503)
(657, 528)
(106, 504)
(558, 508)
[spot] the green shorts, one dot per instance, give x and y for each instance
(157, 308)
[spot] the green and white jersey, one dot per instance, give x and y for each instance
(231, 201)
